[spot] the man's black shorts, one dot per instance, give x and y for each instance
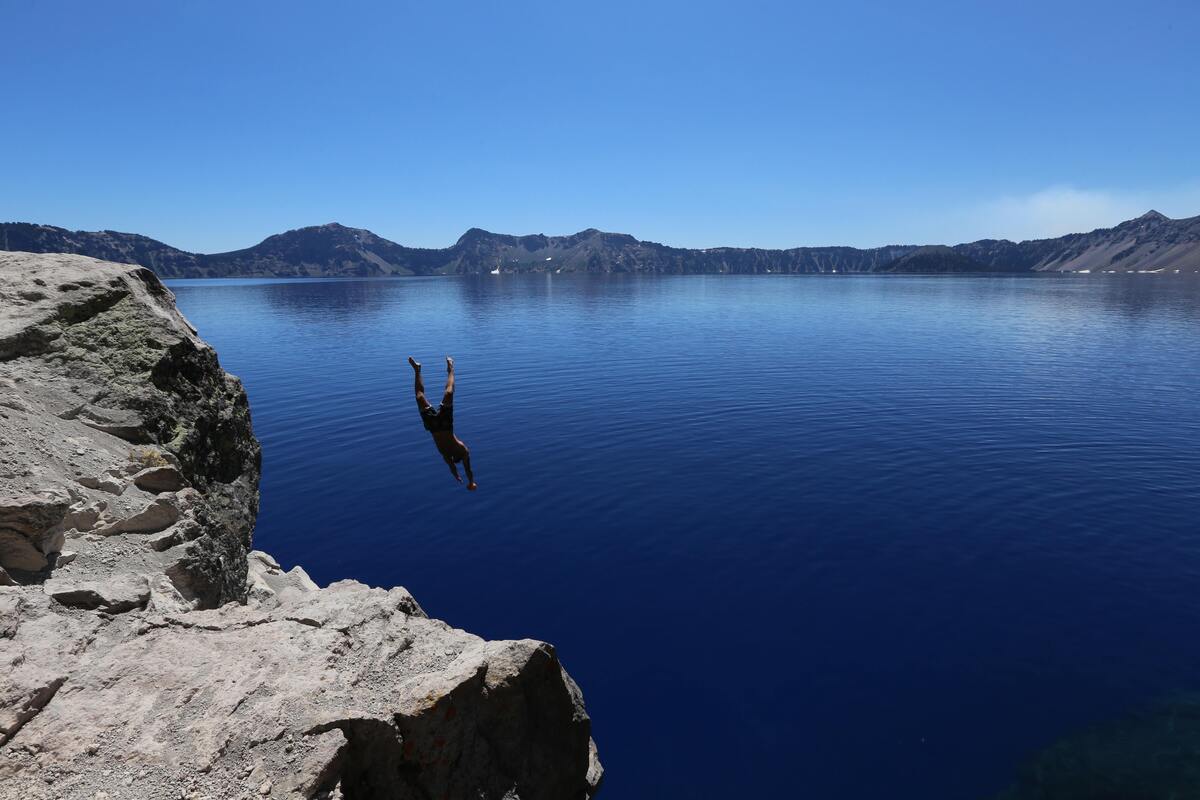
(439, 419)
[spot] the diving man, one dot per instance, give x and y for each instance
(440, 423)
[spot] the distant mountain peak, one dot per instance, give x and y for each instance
(328, 227)
(1153, 216)
(337, 227)
(474, 235)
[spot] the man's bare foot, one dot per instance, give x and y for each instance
(472, 486)
(449, 364)
(412, 362)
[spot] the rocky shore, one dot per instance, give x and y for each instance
(146, 651)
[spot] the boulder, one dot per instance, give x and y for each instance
(159, 479)
(121, 593)
(105, 483)
(29, 528)
(157, 516)
(270, 585)
(18, 553)
(84, 516)
(32, 515)
(183, 531)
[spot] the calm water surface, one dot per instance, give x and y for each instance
(836, 537)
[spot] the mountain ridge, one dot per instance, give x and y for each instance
(1150, 242)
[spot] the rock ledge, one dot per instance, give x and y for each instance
(147, 652)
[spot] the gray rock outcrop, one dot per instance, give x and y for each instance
(147, 652)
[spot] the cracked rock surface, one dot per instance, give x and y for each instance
(147, 652)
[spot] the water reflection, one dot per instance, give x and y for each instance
(303, 298)
(1145, 295)
(1048, 295)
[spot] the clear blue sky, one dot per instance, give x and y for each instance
(211, 125)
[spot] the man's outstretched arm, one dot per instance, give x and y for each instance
(470, 475)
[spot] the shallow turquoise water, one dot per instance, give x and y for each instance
(843, 536)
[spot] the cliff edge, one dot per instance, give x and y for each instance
(147, 652)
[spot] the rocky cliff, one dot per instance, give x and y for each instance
(1150, 242)
(935, 259)
(147, 652)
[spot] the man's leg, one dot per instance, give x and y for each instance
(448, 396)
(422, 403)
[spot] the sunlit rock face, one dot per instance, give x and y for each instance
(147, 652)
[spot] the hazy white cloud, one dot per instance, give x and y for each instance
(1058, 210)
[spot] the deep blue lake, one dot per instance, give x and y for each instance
(830, 537)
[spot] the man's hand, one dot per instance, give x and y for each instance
(412, 362)
(449, 364)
